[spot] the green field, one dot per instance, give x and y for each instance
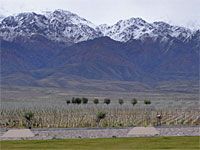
(176, 143)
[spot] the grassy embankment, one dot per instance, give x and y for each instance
(176, 143)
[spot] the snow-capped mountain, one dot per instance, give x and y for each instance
(59, 25)
(1, 17)
(68, 27)
(133, 50)
(137, 28)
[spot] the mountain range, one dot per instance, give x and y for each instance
(52, 48)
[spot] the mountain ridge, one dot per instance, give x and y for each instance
(64, 26)
(36, 50)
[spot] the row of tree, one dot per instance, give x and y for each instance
(107, 101)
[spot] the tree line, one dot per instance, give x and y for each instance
(107, 101)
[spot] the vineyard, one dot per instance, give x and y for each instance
(85, 115)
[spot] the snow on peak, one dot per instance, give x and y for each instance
(58, 25)
(124, 30)
(68, 17)
(137, 28)
(61, 25)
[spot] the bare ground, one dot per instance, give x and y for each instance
(64, 133)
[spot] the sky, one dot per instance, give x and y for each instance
(177, 12)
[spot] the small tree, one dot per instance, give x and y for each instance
(99, 116)
(134, 101)
(68, 102)
(147, 102)
(96, 101)
(121, 101)
(29, 117)
(84, 100)
(107, 101)
(73, 100)
(78, 101)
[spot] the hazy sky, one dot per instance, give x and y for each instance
(180, 12)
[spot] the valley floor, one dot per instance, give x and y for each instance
(178, 143)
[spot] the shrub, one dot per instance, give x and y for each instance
(121, 101)
(106, 101)
(147, 102)
(84, 100)
(68, 102)
(29, 116)
(99, 116)
(96, 101)
(134, 101)
(73, 100)
(78, 101)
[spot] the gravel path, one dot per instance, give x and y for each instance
(65, 133)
